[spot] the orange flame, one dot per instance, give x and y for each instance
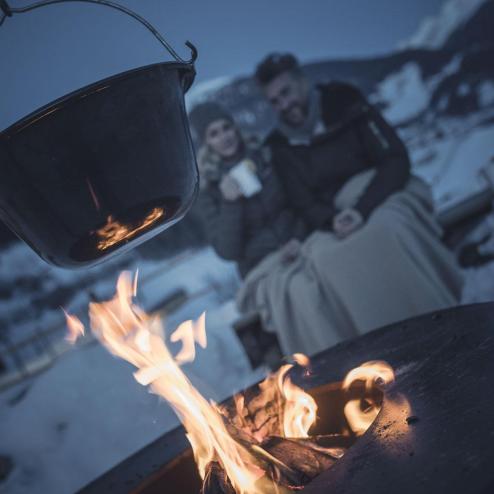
(301, 359)
(300, 409)
(292, 411)
(126, 331)
(75, 328)
(188, 333)
(371, 373)
(114, 232)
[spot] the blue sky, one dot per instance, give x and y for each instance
(49, 52)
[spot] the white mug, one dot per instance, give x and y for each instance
(247, 180)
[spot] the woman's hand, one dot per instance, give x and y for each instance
(290, 250)
(346, 222)
(230, 189)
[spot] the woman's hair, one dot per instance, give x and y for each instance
(203, 114)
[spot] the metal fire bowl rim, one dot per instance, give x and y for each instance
(443, 363)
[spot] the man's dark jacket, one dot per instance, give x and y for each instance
(356, 138)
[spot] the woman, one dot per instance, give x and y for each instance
(245, 210)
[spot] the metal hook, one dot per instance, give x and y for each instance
(9, 11)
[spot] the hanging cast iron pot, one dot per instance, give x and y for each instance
(103, 168)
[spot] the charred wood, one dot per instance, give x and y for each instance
(302, 457)
(216, 480)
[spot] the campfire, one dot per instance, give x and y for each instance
(261, 442)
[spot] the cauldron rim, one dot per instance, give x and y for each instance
(187, 71)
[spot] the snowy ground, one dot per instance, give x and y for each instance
(452, 164)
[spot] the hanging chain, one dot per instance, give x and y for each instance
(8, 11)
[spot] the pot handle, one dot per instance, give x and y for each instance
(8, 11)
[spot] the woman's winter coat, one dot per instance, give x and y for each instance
(248, 229)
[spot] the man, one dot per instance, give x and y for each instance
(326, 135)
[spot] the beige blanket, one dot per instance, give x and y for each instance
(393, 268)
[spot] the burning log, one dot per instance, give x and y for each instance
(276, 469)
(303, 457)
(278, 472)
(328, 443)
(216, 480)
(257, 412)
(289, 463)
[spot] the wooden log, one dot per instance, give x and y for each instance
(333, 444)
(216, 480)
(300, 457)
(257, 413)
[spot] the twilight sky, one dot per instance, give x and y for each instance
(51, 51)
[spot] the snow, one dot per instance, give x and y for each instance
(485, 93)
(454, 171)
(453, 66)
(433, 31)
(405, 93)
(200, 92)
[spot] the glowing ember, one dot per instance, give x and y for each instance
(234, 444)
(113, 232)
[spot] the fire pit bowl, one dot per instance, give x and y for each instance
(432, 435)
(101, 169)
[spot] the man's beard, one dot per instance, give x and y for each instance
(295, 115)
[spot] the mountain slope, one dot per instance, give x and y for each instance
(434, 31)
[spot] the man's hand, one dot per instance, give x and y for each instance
(346, 222)
(229, 188)
(290, 250)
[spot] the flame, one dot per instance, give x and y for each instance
(301, 359)
(300, 409)
(114, 232)
(128, 332)
(359, 413)
(75, 328)
(134, 283)
(280, 408)
(188, 333)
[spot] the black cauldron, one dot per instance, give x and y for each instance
(101, 169)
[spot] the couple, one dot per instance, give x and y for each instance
(332, 234)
